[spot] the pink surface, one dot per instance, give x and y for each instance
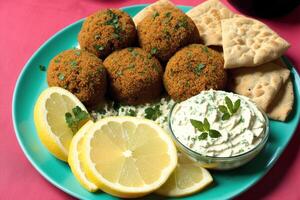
(25, 25)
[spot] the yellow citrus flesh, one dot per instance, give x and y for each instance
(188, 178)
(75, 157)
(128, 157)
(49, 119)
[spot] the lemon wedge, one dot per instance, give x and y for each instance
(74, 158)
(49, 118)
(128, 157)
(188, 178)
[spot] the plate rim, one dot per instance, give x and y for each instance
(76, 195)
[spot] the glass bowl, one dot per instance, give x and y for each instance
(221, 163)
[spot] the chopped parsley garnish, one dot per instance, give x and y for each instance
(204, 128)
(119, 73)
(154, 51)
(198, 68)
(130, 112)
(230, 108)
(153, 112)
(168, 14)
(182, 23)
(167, 34)
(205, 49)
(77, 53)
(77, 119)
(42, 67)
(149, 56)
(114, 21)
(74, 64)
(134, 53)
(61, 76)
(130, 49)
(168, 18)
(99, 47)
(130, 66)
(155, 14)
(187, 84)
(155, 67)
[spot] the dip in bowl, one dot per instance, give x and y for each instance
(220, 130)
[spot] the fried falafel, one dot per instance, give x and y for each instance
(193, 69)
(107, 30)
(166, 31)
(135, 77)
(81, 73)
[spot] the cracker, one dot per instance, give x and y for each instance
(149, 10)
(282, 105)
(261, 84)
(249, 42)
(207, 17)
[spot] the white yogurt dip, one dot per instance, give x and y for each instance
(233, 135)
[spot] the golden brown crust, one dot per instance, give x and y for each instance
(167, 30)
(193, 69)
(135, 76)
(80, 72)
(107, 30)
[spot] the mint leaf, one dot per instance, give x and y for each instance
(226, 116)
(229, 104)
(206, 125)
(214, 133)
(197, 124)
(223, 109)
(203, 136)
(236, 106)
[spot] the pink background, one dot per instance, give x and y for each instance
(25, 25)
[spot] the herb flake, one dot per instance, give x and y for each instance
(42, 67)
(153, 112)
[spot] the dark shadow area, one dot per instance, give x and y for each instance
(268, 8)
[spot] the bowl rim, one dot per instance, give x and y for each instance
(244, 154)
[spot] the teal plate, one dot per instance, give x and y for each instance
(32, 81)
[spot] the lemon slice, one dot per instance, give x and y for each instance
(188, 178)
(74, 158)
(49, 119)
(127, 156)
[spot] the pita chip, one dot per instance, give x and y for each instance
(249, 42)
(151, 9)
(282, 105)
(261, 84)
(207, 17)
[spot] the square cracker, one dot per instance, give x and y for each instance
(207, 17)
(249, 42)
(282, 105)
(150, 10)
(261, 84)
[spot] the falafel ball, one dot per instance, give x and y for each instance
(107, 30)
(166, 31)
(193, 69)
(81, 73)
(134, 75)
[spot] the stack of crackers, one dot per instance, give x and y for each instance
(251, 52)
